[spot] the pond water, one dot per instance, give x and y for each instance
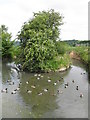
(45, 104)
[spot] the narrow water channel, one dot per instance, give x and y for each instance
(66, 103)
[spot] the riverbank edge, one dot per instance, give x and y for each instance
(75, 55)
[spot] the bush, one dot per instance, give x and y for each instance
(38, 40)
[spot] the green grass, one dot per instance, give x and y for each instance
(83, 53)
(58, 62)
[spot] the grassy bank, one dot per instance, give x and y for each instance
(83, 52)
(61, 61)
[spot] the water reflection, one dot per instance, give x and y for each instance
(49, 104)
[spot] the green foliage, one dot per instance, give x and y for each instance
(62, 47)
(38, 40)
(7, 44)
(83, 52)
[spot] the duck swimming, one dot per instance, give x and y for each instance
(33, 86)
(17, 89)
(38, 78)
(55, 83)
(58, 81)
(4, 90)
(49, 80)
(73, 81)
(8, 80)
(35, 75)
(40, 94)
(29, 91)
(27, 82)
(58, 91)
(11, 83)
(81, 95)
(13, 92)
(45, 90)
(66, 84)
(76, 87)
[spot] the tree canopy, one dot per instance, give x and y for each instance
(38, 40)
(6, 42)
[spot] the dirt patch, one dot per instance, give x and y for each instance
(74, 55)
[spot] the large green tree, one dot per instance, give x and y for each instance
(38, 40)
(7, 44)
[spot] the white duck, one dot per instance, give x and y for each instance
(13, 92)
(4, 90)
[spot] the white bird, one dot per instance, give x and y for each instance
(4, 90)
(35, 75)
(55, 83)
(29, 91)
(67, 84)
(40, 94)
(13, 92)
(20, 83)
(39, 75)
(42, 76)
(27, 82)
(17, 89)
(33, 86)
(45, 90)
(8, 80)
(49, 80)
(38, 78)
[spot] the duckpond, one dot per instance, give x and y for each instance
(44, 95)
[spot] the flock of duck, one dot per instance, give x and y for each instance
(34, 86)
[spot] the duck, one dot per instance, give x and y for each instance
(8, 80)
(45, 90)
(4, 90)
(13, 92)
(73, 81)
(81, 95)
(29, 91)
(58, 91)
(38, 78)
(11, 83)
(53, 94)
(35, 75)
(20, 83)
(27, 82)
(77, 87)
(42, 76)
(33, 86)
(40, 94)
(39, 75)
(17, 89)
(55, 83)
(66, 84)
(49, 80)
(58, 81)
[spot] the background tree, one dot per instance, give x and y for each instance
(7, 44)
(38, 40)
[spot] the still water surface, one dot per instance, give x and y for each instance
(66, 104)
